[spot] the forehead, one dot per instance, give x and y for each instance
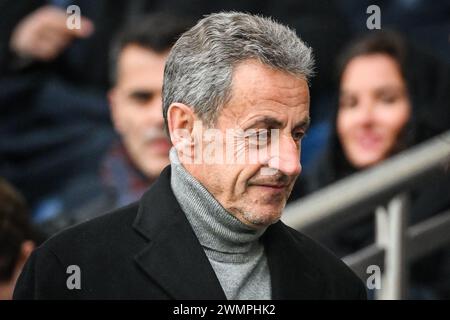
(138, 64)
(369, 71)
(258, 89)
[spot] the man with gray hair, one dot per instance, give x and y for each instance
(236, 106)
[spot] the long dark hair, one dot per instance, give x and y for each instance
(427, 81)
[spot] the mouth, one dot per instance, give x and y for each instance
(272, 187)
(160, 146)
(369, 141)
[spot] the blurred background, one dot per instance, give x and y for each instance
(81, 129)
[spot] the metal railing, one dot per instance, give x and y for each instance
(366, 192)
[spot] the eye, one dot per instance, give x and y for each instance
(263, 135)
(298, 135)
(142, 97)
(347, 102)
(388, 98)
(258, 137)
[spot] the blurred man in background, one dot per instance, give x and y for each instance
(140, 152)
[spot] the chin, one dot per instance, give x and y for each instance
(155, 170)
(366, 163)
(263, 218)
(365, 159)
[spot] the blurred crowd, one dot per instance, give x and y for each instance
(82, 132)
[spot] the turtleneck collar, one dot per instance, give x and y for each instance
(217, 229)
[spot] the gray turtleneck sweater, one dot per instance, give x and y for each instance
(233, 249)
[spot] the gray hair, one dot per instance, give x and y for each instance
(199, 68)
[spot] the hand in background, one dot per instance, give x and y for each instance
(43, 34)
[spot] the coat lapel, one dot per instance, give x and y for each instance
(174, 257)
(293, 276)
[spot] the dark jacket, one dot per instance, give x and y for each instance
(148, 250)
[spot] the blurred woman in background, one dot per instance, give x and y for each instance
(391, 97)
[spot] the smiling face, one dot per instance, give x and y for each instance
(261, 99)
(136, 108)
(373, 109)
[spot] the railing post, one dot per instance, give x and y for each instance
(391, 226)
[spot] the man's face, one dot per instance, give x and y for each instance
(136, 106)
(262, 99)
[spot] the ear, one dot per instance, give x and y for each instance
(182, 125)
(180, 121)
(26, 249)
(114, 109)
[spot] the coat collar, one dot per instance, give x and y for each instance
(176, 261)
(173, 258)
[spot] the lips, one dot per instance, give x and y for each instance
(368, 141)
(271, 187)
(160, 145)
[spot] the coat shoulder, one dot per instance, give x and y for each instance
(113, 229)
(340, 280)
(101, 249)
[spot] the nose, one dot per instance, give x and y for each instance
(366, 113)
(287, 158)
(155, 114)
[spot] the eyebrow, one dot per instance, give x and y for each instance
(267, 121)
(139, 93)
(389, 87)
(304, 124)
(274, 123)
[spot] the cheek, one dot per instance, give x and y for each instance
(218, 180)
(395, 119)
(134, 120)
(133, 135)
(344, 124)
(236, 178)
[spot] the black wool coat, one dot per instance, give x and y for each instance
(148, 250)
